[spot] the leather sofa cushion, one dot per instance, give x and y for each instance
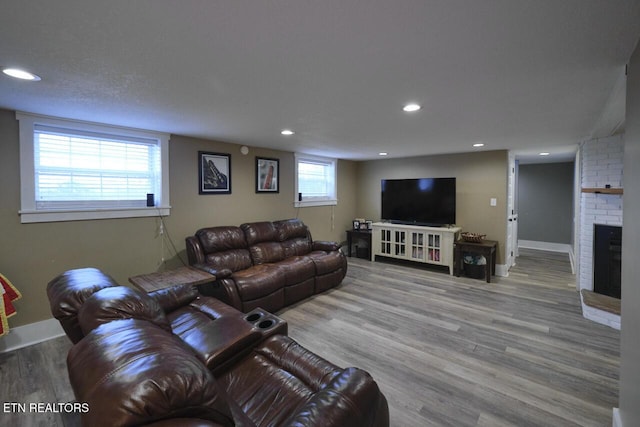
(297, 246)
(289, 375)
(290, 229)
(186, 422)
(258, 232)
(120, 302)
(294, 236)
(297, 269)
(216, 239)
(352, 398)
(175, 296)
(262, 238)
(233, 259)
(267, 252)
(131, 372)
(327, 262)
(225, 247)
(258, 281)
(68, 291)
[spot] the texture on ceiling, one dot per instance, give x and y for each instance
(524, 75)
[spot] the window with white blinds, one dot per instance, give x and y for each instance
(76, 169)
(315, 181)
(80, 167)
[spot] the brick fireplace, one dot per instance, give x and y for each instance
(601, 167)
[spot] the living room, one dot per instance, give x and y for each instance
(34, 253)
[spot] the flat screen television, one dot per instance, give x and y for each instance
(421, 201)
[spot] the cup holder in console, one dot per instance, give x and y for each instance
(253, 317)
(268, 324)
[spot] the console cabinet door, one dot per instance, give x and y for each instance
(385, 242)
(418, 250)
(434, 248)
(400, 243)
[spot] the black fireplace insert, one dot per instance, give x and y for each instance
(607, 260)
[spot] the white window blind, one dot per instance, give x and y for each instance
(315, 181)
(76, 169)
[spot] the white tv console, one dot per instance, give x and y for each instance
(431, 245)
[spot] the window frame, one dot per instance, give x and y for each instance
(30, 213)
(331, 199)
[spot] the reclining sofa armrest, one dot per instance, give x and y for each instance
(352, 398)
(195, 254)
(320, 245)
(222, 273)
(67, 293)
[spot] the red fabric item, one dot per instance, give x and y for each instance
(9, 294)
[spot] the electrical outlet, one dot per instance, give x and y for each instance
(493, 201)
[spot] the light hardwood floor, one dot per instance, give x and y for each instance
(445, 351)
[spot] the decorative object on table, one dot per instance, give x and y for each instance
(369, 224)
(9, 295)
(358, 223)
(267, 175)
(214, 173)
(472, 237)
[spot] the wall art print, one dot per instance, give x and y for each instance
(214, 173)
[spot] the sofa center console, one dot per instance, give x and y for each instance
(267, 323)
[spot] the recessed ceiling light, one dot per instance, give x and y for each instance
(544, 153)
(478, 144)
(382, 153)
(287, 132)
(21, 74)
(410, 108)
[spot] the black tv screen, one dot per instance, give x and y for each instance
(421, 201)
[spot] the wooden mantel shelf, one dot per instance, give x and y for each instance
(603, 190)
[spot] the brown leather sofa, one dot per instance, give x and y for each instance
(176, 358)
(265, 264)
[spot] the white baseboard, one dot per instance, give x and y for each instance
(617, 422)
(33, 333)
(545, 246)
(502, 270)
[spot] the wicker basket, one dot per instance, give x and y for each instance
(472, 237)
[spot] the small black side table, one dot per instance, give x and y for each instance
(359, 234)
(487, 248)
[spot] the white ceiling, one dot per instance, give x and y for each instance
(524, 75)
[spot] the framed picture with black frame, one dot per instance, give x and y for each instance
(214, 173)
(267, 175)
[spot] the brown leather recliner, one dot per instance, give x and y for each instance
(173, 358)
(265, 264)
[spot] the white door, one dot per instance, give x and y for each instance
(511, 250)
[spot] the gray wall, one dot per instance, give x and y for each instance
(629, 342)
(545, 202)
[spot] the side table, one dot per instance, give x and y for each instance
(487, 248)
(359, 234)
(165, 279)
